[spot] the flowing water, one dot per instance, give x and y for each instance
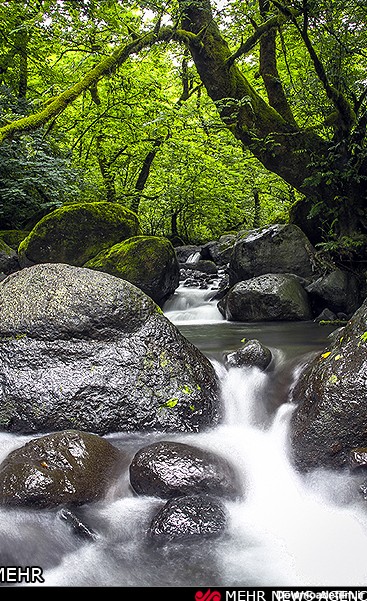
(287, 530)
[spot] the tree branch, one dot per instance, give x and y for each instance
(251, 42)
(106, 66)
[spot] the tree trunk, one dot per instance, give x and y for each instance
(268, 132)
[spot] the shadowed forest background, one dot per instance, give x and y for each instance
(204, 118)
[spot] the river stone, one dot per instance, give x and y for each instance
(68, 467)
(279, 248)
(85, 350)
(338, 291)
(75, 233)
(8, 258)
(148, 262)
(270, 297)
(252, 354)
(188, 518)
(171, 469)
(330, 399)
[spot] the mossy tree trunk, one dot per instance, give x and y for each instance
(268, 129)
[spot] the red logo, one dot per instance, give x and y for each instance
(208, 596)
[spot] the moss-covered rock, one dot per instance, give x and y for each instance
(8, 258)
(75, 233)
(13, 237)
(148, 262)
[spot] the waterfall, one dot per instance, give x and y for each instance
(192, 305)
(287, 529)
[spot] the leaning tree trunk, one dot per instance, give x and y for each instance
(270, 134)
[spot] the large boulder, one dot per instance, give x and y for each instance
(188, 518)
(270, 297)
(67, 467)
(339, 291)
(148, 262)
(330, 399)
(86, 350)
(280, 248)
(170, 469)
(77, 232)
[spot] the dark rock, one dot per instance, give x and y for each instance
(358, 458)
(274, 249)
(64, 467)
(13, 237)
(219, 251)
(86, 350)
(183, 253)
(339, 291)
(171, 469)
(331, 402)
(77, 525)
(148, 262)
(188, 518)
(75, 233)
(207, 267)
(271, 297)
(252, 354)
(326, 315)
(8, 259)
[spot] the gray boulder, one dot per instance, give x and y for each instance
(270, 297)
(275, 249)
(67, 467)
(252, 354)
(339, 291)
(85, 350)
(188, 518)
(171, 469)
(330, 399)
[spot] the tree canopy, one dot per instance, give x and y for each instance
(205, 117)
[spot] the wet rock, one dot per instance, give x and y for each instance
(276, 249)
(188, 518)
(77, 525)
(9, 262)
(207, 267)
(339, 291)
(75, 233)
(252, 354)
(219, 251)
(86, 350)
(171, 469)
(270, 297)
(148, 262)
(326, 315)
(186, 252)
(331, 401)
(67, 467)
(358, 458)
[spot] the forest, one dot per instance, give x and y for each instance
(202, 117)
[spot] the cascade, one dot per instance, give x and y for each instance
(287, 529)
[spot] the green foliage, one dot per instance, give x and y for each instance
(148, 135)
(36, 177)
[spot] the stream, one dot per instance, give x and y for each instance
(287, 530)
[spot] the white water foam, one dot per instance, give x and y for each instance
(192, 305)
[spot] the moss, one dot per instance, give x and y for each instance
(5, 248)
(77, 232)
(144, 261)
(13, 237)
